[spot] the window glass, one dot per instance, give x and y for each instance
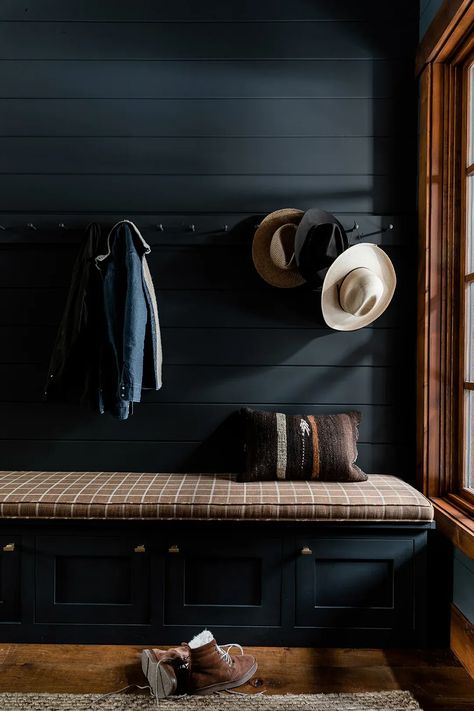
(470, 144)
(470, 226)
(469, 439)
(469, 300)
(469, 360)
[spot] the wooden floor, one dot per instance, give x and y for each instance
(436, 679)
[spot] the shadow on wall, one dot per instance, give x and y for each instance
(222, 451)
(209, 266)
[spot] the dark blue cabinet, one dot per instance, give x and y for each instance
(355, 583)
(228, 581)
(92, 580)
(10, 571)
(318, 584)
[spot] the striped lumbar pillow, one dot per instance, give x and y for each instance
(279, 446)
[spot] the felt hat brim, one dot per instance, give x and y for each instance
(273, 275)
(320, 238)
(360, 255)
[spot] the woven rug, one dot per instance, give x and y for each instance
(379, 701)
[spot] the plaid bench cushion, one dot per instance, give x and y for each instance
(127, 495)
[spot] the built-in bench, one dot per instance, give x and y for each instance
(152, 558)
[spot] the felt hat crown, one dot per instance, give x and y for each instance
(358, 287)
(320, 239)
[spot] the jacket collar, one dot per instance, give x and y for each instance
(134, 228)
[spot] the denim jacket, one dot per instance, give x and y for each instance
(131, 357)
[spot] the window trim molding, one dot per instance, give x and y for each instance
(449, 24)
(448, 42)
(455, 524)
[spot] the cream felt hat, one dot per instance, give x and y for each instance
(273, 248)
(358, 287)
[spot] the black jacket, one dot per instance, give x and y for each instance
(75, 361)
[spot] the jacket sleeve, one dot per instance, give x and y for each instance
(135, 316)
(152, 377)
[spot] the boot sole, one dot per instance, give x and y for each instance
(227, 684)
(161, 683)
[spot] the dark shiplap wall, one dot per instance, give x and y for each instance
(209, 113)
(428, 10)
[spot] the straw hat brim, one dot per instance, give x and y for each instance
(360, 255)
(281, 278)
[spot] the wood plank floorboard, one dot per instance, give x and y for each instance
(435, 677)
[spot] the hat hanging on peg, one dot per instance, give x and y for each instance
(352, 229)
(358, 287)
(273, 248)
(356, 283)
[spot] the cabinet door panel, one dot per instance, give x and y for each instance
(223, 583)
(91, 581)
(10, 554)
(349, 583)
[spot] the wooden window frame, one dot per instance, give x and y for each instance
(440, 64)
(465, 495)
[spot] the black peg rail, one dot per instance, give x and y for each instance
(163, 229)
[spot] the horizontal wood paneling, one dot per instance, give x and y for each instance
(182, 267)
(208, 10)
(261, 309)
(182, 193)
(223, 345)
(206, 79)
(23, 382)
(184, 308)
(212, 156)
(158, 456)
(206, 114)
(202, 117)
(273, 347)
(169, 422)
(214, 40)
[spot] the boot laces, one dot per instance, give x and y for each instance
(224, 651)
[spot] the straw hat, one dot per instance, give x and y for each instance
(273, 248)
(358, 287)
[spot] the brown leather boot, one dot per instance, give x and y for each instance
(213, 668)
(166, 670)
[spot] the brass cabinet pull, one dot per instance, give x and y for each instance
(139, 549)
(306, 550)
(173, 549)
(9, 548)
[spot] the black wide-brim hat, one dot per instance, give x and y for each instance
(319, 240)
